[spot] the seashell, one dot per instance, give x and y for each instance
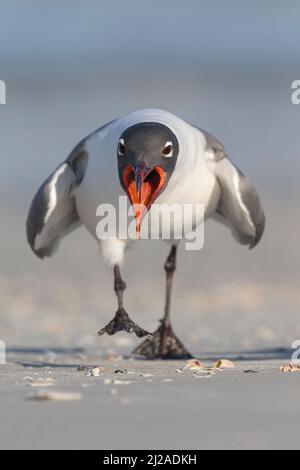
(117, 382)
(224, 364)
(193, 364)
(96, 371)
(54, 396)
(290, 368)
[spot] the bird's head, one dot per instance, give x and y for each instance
(147, 156)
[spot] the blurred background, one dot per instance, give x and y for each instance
(226, 66)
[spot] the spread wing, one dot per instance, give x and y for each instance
(239, 206)
(53, 212)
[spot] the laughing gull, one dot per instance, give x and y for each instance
(152, 157)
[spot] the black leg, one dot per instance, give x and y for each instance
(119, 287)
(170, 268)
(121, 321)
(164, 344)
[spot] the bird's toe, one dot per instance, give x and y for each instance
(163, 344)
(122, 322)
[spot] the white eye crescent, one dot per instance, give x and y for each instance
(121, 147)
(168, 150)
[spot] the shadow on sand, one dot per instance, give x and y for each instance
(54, 356)
(59, 357)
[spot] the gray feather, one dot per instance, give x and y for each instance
(251, 200)
(64, 217)
(44, 234)
(239, 206)
(215, 145)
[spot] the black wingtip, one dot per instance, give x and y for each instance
(260, 230)
(39, 254)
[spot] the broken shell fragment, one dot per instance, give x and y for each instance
(54, 396)
(193, 364)
(290, 368)
(42, 383)
(96, 371)
(207, 375)
(224, 364)
(117, 382)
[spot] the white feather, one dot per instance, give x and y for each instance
(113, 251)
(236, 180)
(52, 191)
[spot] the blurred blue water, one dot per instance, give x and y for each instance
(73, 29)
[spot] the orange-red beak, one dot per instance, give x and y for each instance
(142, 186)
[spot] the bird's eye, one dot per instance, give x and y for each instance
(121, 148)
(168, 150)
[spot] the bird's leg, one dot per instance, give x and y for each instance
(119, 286)
(121, 321)
(164, 344)
(170, 268)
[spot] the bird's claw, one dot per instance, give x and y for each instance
(122, 322)
(163, 344)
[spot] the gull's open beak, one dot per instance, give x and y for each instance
(142, 186)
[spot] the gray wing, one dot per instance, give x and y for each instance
(239, 206)
(53, 214)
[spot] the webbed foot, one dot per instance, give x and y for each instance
(122, 322)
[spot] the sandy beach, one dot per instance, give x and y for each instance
(135, 404)
(221, 66)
